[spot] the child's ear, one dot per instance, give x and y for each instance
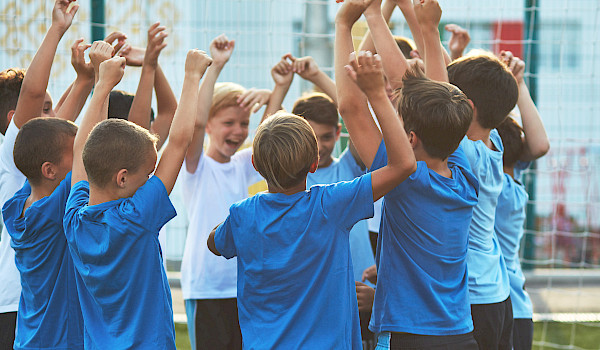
(122, 178)
(9, 116)
(314, 166)
(48, 171)
(338, 131)
(252, 158)
(413, 139)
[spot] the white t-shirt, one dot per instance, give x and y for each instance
(11, 180)
(207, 194)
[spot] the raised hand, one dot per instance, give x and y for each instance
(428, 12)
(351, 11)
(459, 40)
(63, 13)
(515, 64)
(283, 72)
(367, 72)
(221, 49)
(306, 67)
(82, 68)
(100, 52)
(156, 38)
(197, 62)
(111, 71)
(117, 36)
(253, 99)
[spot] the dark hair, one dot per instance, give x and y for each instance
(489, 84)
(119, 104)
(42, 140)
(438, 113)
(512, 140)
(405, 44)
(115, 144)
(11, 80)
(317, 107)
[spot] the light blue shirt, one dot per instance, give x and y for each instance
(295, 283)
(510, 217)
(422, 250)
(123, 289)
(49, 315)
(488, 278)
(345, 168)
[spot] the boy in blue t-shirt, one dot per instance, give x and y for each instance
(421, 300)
(112, 222)
(295, 280)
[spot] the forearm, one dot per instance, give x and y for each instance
(276, 100)
(536, 140)
(182, 128)
(211, 242)
(166, 105)
(142, 102)
(435, 65)
(96, 112)
(205, 94)
(394, 63)
(64, 96)
(75, 100)
(387, 8)
(326, 84)
(411, 20)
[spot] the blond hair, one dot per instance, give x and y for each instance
(225, 95)
(284, 149)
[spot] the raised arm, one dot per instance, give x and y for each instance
(352, 103)
(429, 14)
(182, 128)
(536, 140)
(71, 106)
(407, 9)
(221, 49)
(387, 9)
(166, 105)
(142, 102)
(307, 69)
(33, 89)
(108, 72)
(368, 74)
(283, 75)
(394, 63)
(459, 40)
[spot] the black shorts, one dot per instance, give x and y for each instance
(493, 325)
(408, 341)
(216, 324)
(522, 333)
(8, 323)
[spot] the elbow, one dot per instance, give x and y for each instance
(540, 150)
(348, 107)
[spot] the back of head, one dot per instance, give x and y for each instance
(488, 83)
(405, 44)
(115, 144)
(42, 140)
(10, 86)
(512, 140)
(119, 104)
(438, 113)
(284, 149)
(225, 95)
(317, 107)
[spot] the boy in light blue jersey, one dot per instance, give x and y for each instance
(421, 300)
(112, 222)
(521, 146)
(295, 281)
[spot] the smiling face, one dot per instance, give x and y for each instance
(228, 129)
(327, 136)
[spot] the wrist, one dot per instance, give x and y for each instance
(430, 29)
(103, 87)
(376, 94)
(57, 30)
(85, 79)
(343, 24)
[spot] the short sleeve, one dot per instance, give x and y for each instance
(7, 160)
(79, 197)
(520, 167)
(224, 239)
(60, 195)
(497, 140)
(347, 158)
(348, 202)
(459, 158)
(380, 159)
(150, 206)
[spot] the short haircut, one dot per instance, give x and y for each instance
(438, 113)
(11, 80)
(225, 95)
(405, 44)
(284, 148)
(512, 140)
(115, 144)
(488, 83)
(42, 140)
(119, 104)
(317, 107)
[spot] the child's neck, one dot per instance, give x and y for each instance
(40, 191)
(300, 187)
(436, 164)
(326, 163)
(478, 133)
(217, 156)
(101, 195)
(510, 171)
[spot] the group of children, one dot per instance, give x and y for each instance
(83, 206)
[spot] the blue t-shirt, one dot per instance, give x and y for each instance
(422, 249)
(295, 283)
(510, 217)
(49, 315)
(123, 289)
(345, 168)
(488, 278)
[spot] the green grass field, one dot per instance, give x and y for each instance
(580, 335)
